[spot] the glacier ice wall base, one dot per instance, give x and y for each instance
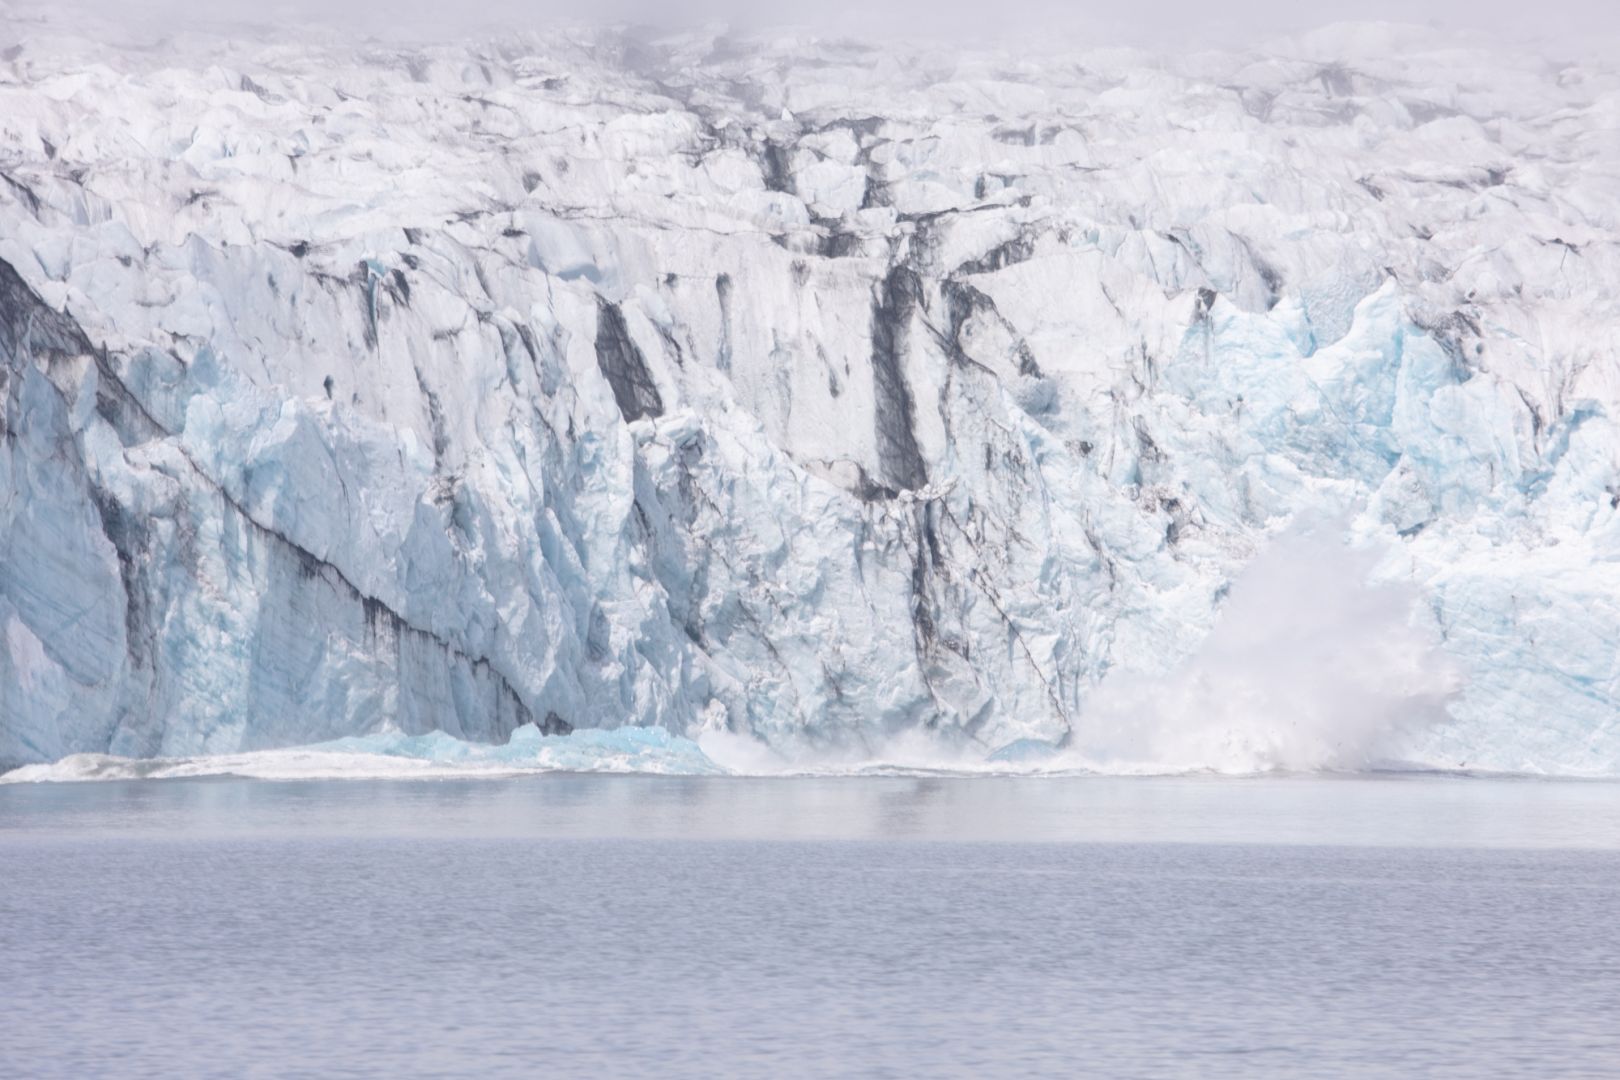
(787, 388)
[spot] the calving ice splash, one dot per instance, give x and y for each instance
(1307, 669)
(607, 399)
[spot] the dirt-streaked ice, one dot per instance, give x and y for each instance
(819, 395)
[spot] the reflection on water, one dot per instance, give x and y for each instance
(694, 927)
(1361, 811)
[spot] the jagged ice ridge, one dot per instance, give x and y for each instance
(819, 393)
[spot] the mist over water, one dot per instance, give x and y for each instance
(886, 928)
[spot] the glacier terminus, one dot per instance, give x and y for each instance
(819, 400)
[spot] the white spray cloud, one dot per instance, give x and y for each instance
(1309, 666)
(1313, 664)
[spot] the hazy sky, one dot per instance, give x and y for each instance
(1213, 21)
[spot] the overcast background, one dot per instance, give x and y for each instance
(1189, 22)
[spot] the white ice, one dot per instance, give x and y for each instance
(814, 399)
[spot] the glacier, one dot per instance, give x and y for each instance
(820, 396)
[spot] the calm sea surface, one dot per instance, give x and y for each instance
(570, 925)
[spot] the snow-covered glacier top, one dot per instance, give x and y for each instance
(1233, 410)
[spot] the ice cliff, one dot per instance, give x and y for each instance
(814, 391)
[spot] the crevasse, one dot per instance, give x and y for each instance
(821, 397)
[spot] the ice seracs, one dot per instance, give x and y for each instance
(809, 391)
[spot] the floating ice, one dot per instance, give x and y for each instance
(434, 755)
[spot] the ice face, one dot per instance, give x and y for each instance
(789, 390)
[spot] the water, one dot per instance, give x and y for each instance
(638, 926)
